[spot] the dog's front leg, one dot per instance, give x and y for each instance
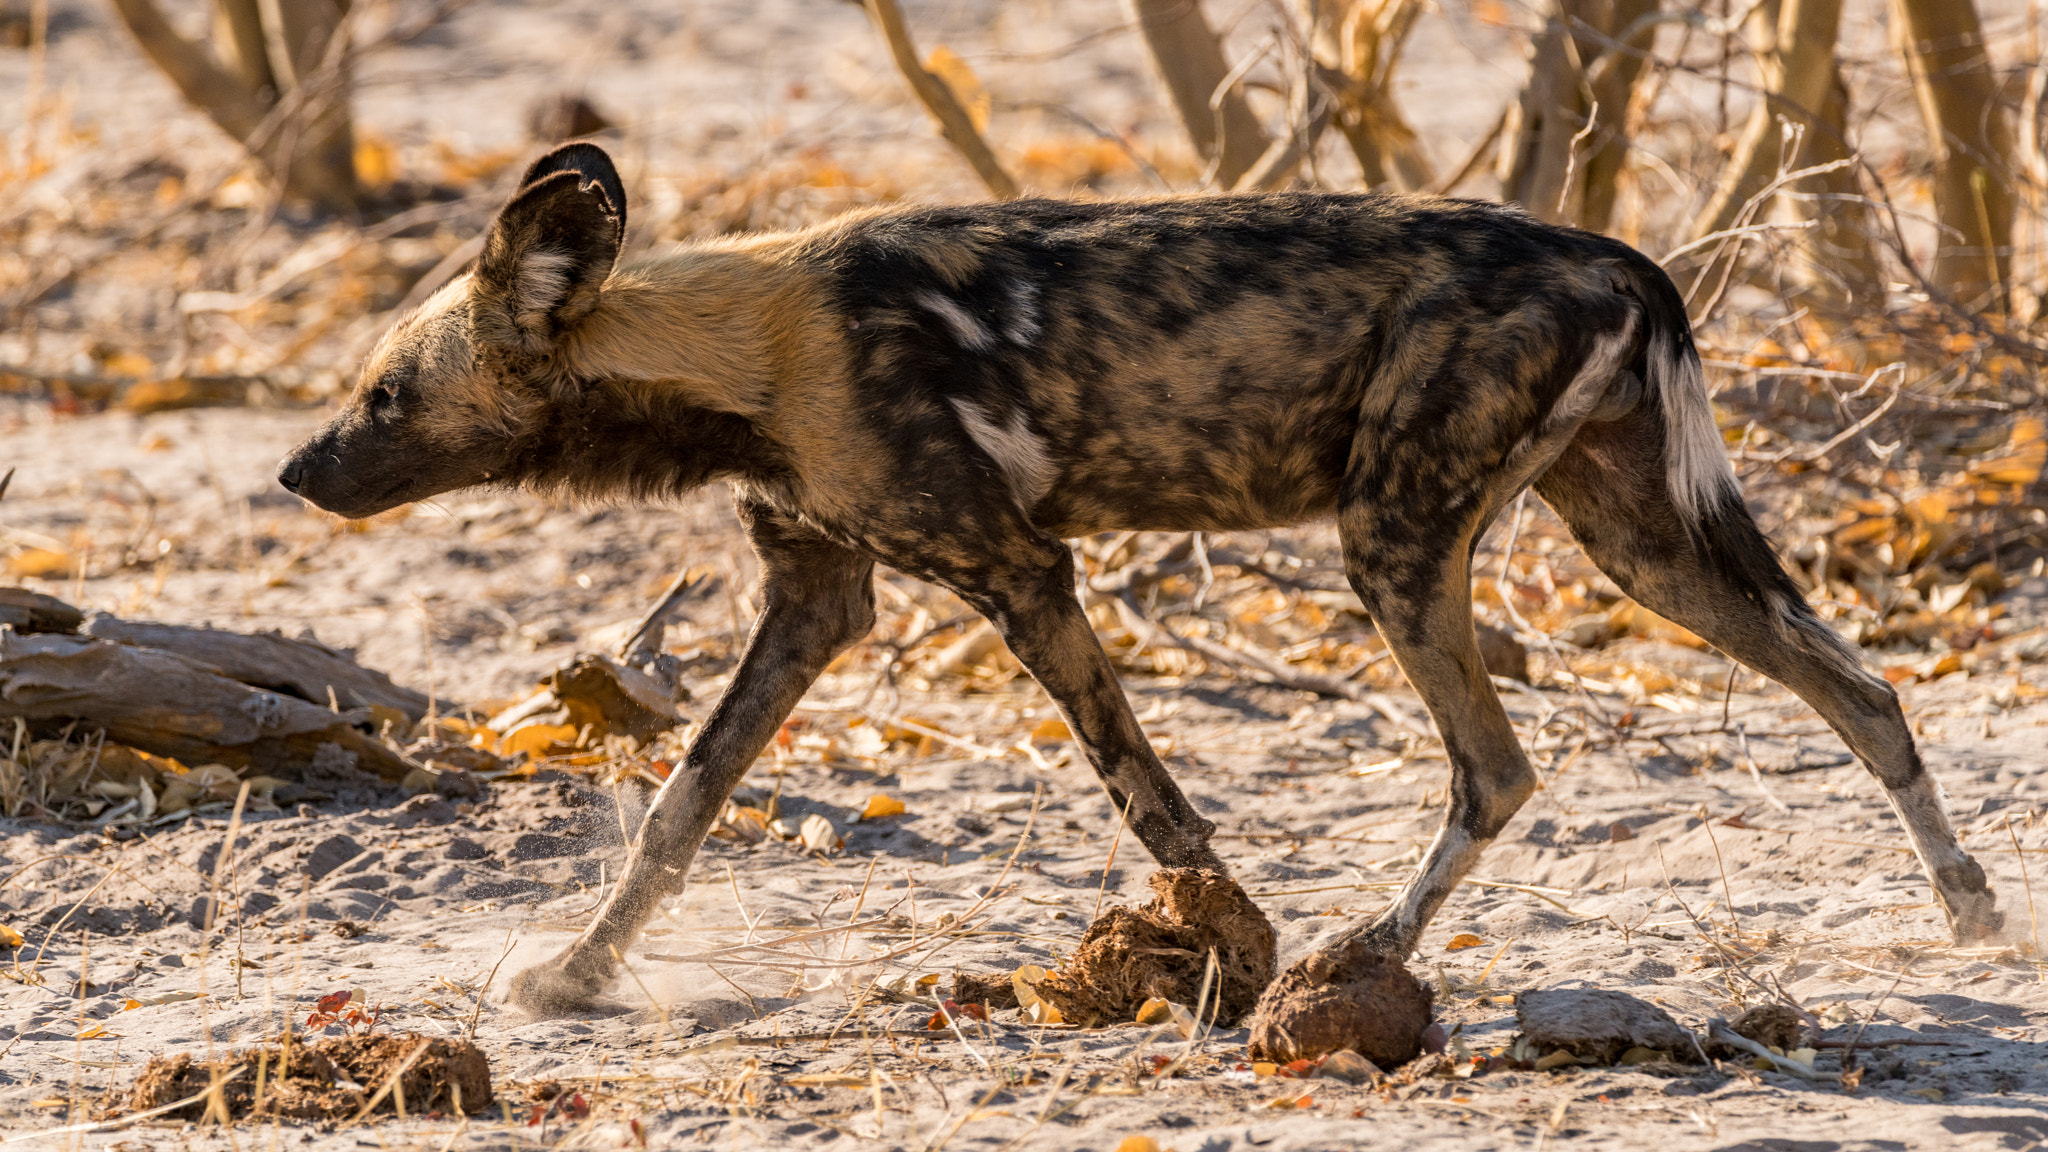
(1041, 620)
(817, 599)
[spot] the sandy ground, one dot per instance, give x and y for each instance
(417, 902)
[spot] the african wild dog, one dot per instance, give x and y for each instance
(954, 390)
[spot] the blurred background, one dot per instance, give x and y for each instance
(221, 205)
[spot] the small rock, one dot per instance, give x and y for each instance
(463, 848)
(1502, 654)
(1598, 1025)
(1346, 1065)
(330, 854)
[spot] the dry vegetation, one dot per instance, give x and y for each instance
(1853, 197)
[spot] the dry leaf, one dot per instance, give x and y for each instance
(1166, 1012)
(376, 159)
(9, 938)
(974, 99)
(1137, 1144)
(879, 806)
(818, 834)
(739, 822)
(166, 998)
(97, 1031)
(41, 563)
(1464, 940)
(1043, 1012)
(1051, 732)
(536, 740)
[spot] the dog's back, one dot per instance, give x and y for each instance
(1208, 363)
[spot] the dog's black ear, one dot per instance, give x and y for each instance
(591, 164)
(550, 250)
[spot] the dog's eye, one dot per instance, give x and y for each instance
(383, 395)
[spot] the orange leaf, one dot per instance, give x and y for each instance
(1464, 940)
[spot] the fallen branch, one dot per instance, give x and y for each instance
(306, 669)
(1717, 1030)
(164, 703)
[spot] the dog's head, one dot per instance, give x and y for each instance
(451, 393)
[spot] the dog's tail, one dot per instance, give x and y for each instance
(1697, 476)
(1696, 466)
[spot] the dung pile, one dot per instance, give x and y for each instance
(1346, 997)
(327, 1079)
(1161, 951)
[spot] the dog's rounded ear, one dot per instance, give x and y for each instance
(592, 165)
(550, 249)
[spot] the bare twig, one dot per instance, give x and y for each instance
(940, 100)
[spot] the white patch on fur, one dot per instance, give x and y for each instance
(1017, 451)
(1023, 326)
(1598, 378)
(1696, 467)
(540, 285)
(971, 332)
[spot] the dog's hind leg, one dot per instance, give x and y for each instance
(817, 599)
(1718, 577)
(1417, 586)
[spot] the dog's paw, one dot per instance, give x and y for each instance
(549, 990)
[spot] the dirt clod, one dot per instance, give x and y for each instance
(1347, 997)
(1160, 951)
(990, 988)
(1772, 1025)
(1598, 1025)
(313, 1081)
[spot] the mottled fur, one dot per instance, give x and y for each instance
(954, 390)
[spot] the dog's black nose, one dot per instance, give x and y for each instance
(290, 473)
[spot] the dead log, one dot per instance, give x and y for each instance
(34, 612)
(164, 703)
(306, 669)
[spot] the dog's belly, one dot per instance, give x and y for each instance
(1247, 478)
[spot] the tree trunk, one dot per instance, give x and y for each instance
(1190, 60)
(1972, 143)
(1565, 144)
(238, 41)
(1803, 88)
(1841, 249)
(1365, 38)
(268, 53)
(1798, 70)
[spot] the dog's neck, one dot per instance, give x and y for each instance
(729, 323)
